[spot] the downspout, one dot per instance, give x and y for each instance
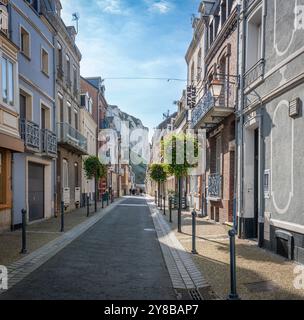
(241, 178)
(54, 126)
(261, 180)
(12, 192)
(236, 176)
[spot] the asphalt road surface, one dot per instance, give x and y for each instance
(119, 258)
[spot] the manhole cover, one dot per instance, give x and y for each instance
(262, 286)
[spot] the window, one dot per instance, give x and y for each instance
(223, 12)
(76, 167)
(199, 65)
(75, 78)
(68, 68)
(45, 117)
(76, 119)
(69, 113)
(8, 81)
(61, 110)
(192, 73)
(25, 42)
(65, 173)
(219, 155)
(4, 178)
(44, 61)
(25, 105)
(254, 39)
(3, 19)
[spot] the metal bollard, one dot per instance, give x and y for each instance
(170, 208)
(161, 203)
(23, 250)
(164, 205)
(194, 215)
(88, 206)
(102, 201)
(155, 197)
(233, 290)
(62, 217)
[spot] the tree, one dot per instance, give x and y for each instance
(158, 173)
(94, 169)
(180, 152)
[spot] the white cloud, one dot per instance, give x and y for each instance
(112, 6)
(161, 7)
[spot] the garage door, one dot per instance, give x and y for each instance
(36, 191)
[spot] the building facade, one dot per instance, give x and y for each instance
(10, 141)
(270, 123)
(89, 131)
(215, 109)
(34, 171)
(72, 145)
(96, 90)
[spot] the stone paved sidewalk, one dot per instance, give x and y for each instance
(39, 234)
(261, 274)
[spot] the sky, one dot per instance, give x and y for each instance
(135, 38)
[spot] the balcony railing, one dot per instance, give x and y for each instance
(30, 134)
(215, 186)
(255, 73)
(71, 137)
(222, 105)
(49, 142)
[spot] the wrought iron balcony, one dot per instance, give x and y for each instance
(215, 186)
(49, 143)
(255, 73)
(30, 134)
(72, 139)
(210, 111)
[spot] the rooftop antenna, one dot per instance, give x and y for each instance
(76, 17)
(166, 115)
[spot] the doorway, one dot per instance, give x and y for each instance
(36, 191)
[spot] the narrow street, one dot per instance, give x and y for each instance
(118, 258)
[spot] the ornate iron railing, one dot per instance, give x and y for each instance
(254, 73)
(30, 134)
(49, 142)
(215, 185)
(69, 135)
(204, 105)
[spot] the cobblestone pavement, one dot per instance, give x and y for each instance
(261, 274)
(116, 257)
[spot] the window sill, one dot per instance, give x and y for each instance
(26, 56)
(5, 207)
(45, 73)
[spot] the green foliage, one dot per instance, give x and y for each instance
(158, 172)
(177, 155)
(94, 168)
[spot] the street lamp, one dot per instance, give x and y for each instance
(216, 87)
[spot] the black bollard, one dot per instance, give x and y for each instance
(88, 206)
(194, 215)
(164, 205)
(233, 290)
(102, 201)
(155, 197)
(62, 216)
(170, 208)
(23, 250)
(161, 203)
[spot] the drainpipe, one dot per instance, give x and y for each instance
(241, 178)
(12, 192)
(54, 125)
(236, 175)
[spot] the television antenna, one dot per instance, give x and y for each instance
(76, 17)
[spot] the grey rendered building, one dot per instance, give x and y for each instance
(270, 122)
(72, 145)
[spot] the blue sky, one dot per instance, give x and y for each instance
(135, 38)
